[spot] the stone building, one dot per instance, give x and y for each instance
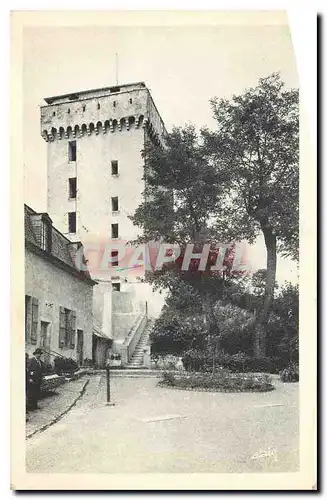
(95, 181)
(58, 297)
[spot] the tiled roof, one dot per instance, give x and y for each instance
(61, 249)
(29, 233)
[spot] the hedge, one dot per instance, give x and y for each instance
(220, 382)
(196, 360)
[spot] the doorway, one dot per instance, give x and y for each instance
(80, 347)
(45, 340)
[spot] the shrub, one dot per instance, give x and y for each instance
(236, 362)
(174, 332)
(168, 379)
(277, 364)
(48, 369)
(222, 381)
(167, 362)
(198, 361)
(259, 365)
(235, 327)
(65, 366)
(286, 309)
(240, 362)
(195, 360)
(290, 374)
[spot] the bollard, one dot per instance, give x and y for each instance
(108, 386)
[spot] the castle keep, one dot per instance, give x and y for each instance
(95, 167)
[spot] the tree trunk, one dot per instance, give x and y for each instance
(259, 347)
(208, 311)
(211, 328)
(214, 361)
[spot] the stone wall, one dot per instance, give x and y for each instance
(108, 125)
(96, 185)
(54, 287)
(101, 352)
(102, 308)
(125, 311)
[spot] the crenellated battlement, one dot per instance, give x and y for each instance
(101, 111)
(112, 125)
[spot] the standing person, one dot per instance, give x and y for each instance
(35, 374)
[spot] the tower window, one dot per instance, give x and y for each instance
(131, 101)
(114, 256)
(114, 104)
(114, 167)
(68, 110)
(116, 287)
(72, 187)
(99, 105)
(72, 151)
(72, 222)
(114, 230)
(114, 204)
(84, 107)
(54, 113)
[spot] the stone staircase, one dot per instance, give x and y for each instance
(137, 358)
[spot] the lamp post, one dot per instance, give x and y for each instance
(109, 403)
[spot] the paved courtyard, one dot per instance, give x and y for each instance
(153, 429)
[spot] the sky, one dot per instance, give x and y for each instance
(183, 66)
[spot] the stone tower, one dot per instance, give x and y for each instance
(95, 168)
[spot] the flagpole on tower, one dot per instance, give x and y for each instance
(116, 69)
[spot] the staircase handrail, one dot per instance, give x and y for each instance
(132, 339)
(133, 328)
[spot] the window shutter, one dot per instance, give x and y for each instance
(62, 326)
(35, 319)
(73, 329)
(28, 318)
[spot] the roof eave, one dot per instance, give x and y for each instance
(58, 262)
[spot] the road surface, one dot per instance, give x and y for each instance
(153, 429)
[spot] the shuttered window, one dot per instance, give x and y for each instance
(67, 328)
(35, 320)
(62, 326)
(73, 329)
(28, 318)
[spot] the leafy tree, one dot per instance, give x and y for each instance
(182, 190)
(258, 282)
(182, 199)
(184, 298)
(235, 328)
(256, 150)
(175, 332)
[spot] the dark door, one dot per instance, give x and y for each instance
(80, 347)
